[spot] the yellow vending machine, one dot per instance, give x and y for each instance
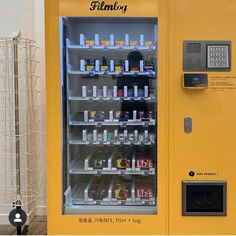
(107, 165)
(141, 108)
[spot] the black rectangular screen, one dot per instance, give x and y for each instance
(204, 199)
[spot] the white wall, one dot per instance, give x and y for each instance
(28, 16)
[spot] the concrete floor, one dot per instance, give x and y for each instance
(37, 227)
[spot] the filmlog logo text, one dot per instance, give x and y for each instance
(102, 6)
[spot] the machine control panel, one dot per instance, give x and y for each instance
(193, 81)
(206, 55)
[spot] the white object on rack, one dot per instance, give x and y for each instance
(112, 41)
(141, 40)
(126, 39)
(141, 64)
(84, 91)
(127, 65)
(82, 65)
(112, 65)
(81, 39)
(97, 65)
(96, 40)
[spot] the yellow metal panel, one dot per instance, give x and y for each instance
(69, 224)
(82, 8)
(211, 147)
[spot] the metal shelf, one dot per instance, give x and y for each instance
(78, 98)
(113, 123)
(77, 72)
(79, 142)
(124, 210)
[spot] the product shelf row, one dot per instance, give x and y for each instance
(98, 191)
(92, 164)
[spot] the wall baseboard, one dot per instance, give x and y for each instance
(39, 210)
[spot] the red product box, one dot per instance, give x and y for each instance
(144, 190)
(144, 162)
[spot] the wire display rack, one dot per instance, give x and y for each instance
(20, 136)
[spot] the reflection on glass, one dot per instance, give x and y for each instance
(109, 115)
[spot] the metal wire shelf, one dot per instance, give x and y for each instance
(19, 121)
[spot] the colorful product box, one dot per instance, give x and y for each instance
(92, 115)
(89, 42)
(148, 68)
(105, 42)
(124, 116)
(117, 114)
(90, 68)
(100, 116)
(144, 190)
(120, 43)
(120, 192)
(144, 162)
(120, 93)
(122, 162)
(104, 68)
(119, 68)
(134, 69)
(133, 43)
(148, 43)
